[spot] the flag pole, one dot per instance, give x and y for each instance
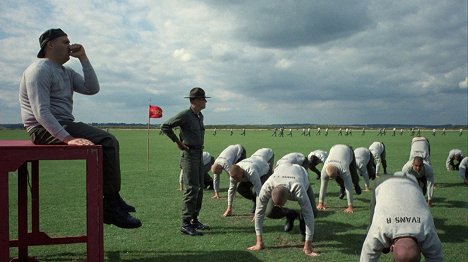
(147, 137)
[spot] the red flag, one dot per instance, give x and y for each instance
(155, 112)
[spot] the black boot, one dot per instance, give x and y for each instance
(190, 230)
(357, 188)
(126, 207)
(116, 215)
(199, 225)
(342, 192)
(291, 215)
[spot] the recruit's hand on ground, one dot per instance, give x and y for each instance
(259, 245)
(308, 249)
(256, 248)
(228, 212)
(349, 210)
(216, 195)
(321, 206)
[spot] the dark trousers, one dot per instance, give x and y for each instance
(243, 155)
(276, 212)
(247, 190)
(384, 160)
(207, 179)
(110, 146)
(353, 172)
(192, 165)
(422, 181)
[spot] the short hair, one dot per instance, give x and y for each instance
(331, 170)
(280, 195)
(314, 160)
(236, 172)
(216, 168)
(418, 159)
(406, 249)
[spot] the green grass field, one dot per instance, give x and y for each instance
(338, 236)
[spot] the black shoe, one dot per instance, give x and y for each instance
(126, 207)
(302, 225)
(358, 190)
(190, 230)
(342, 193)
(290, 217)
(198, 225)
(120, 218)
(318, 177)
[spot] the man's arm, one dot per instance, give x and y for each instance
(431, 247)
(231, 194)
(306, 209)
(87, 84)
(323, 190)
(315, 170)
(167, 128)
(348, 184)
(262, 202)
(430, 183)
(371, 249)
(462, 170)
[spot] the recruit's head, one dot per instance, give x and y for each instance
(216, 168)
(236, 172)
(331, 171)
(417, 164)
(280, 195)
(406, 249)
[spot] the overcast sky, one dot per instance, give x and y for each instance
(262, 61)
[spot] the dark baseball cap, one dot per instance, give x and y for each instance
(47, 36)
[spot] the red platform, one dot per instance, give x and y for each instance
(15, 155)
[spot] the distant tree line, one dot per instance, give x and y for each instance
(272, 126)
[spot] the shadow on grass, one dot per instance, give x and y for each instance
(240, 229)
(450, 233)
(183, 256)
(336, 236)
(149, 256)
(442, 202)
(445, 185)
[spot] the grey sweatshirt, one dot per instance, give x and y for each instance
(400, 211)
(46, 94)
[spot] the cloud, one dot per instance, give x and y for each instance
(182, 55)
(261, 61)
(463, 84)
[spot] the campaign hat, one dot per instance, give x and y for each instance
(197, 92)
